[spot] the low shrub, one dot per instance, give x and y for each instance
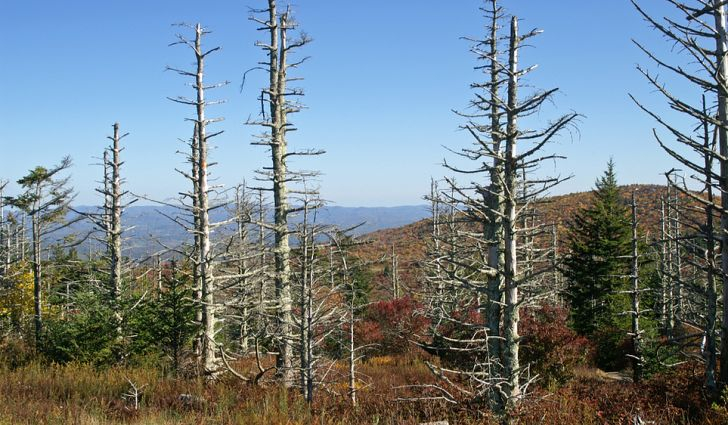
(390, 326)
(550, 347)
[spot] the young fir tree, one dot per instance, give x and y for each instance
(175, 326)
(599, 249)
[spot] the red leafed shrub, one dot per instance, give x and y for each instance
(368, 332)
(391, 325)
(552, 348)
(463, 327)
(673, 397)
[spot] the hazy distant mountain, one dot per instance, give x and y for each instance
(152, 227)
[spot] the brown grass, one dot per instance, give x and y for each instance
(79, 394)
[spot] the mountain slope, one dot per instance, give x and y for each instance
(410, 241)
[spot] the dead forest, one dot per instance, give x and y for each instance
(508, 305)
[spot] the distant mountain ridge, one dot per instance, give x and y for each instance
(151, 228)
(406, 229)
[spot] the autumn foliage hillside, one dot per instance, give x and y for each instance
(410, 241)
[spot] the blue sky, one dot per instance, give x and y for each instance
(381, 84)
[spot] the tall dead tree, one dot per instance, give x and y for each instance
(344, 266)
(4, 234)
(635, 292)
(203, 253)
(194, 160)
(699, 29)
(244, 300)
(500, 206)
(318, 306)
(109, 220)
(711, 267)
(675, 251)
(278, 99)
(663, 272)
(244, 293)
(115, 229)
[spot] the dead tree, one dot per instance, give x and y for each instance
(346, 276)
(317, 303)
(663, 272)
(277, 98)
(243, 295)
(266, 306)
(434, 291)
(194, 160)
(492, 266)
(675, 251)
(700, 32)
(635, 292)
(115, 229)
(15, 236)
(395, 275)
(556, 278)
(109, 220)
(203, 256)
(4, 234)
(711, 267)
(484, 206)
(245, 289)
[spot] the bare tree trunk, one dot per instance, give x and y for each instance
(241, 220)
(4, 236)
(115, 228)
(277, 65)
(304, 307)
(677, 287)
(710, 352)
(511, 315)
(196, 258)
(719, 14)
(352, 347)
(664, 279)
(439, 302)
(670, 262)
(37, 270)
(555, 273)
(158, 266)
(637, 360)
(209, 345)
(494, 199)
(262, 289)
(395, 275)
(202, 256)
(704, 37)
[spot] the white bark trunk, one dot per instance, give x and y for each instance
(722, 116)
(511, 315)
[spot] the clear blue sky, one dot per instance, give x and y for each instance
(382, 81)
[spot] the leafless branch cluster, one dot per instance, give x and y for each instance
(491, 252)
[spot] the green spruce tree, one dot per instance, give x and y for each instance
(599, 240)
(174, 326)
